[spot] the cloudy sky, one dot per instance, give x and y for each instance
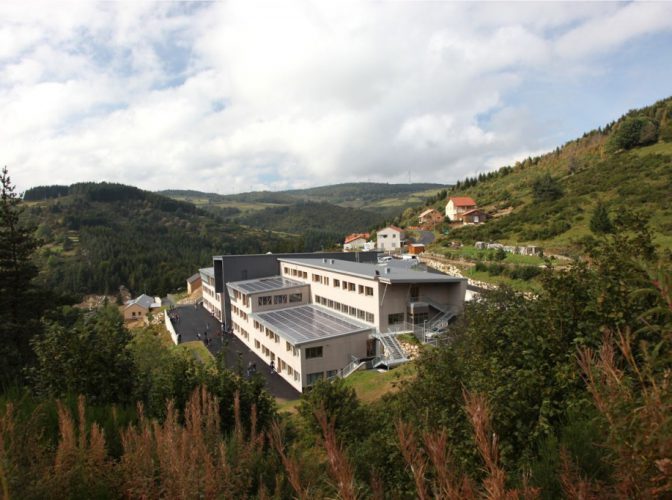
(237, 96)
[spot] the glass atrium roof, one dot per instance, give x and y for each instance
(308, 323)
(264, 284)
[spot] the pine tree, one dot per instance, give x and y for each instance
(19, 305)
(600, 222)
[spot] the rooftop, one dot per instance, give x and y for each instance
(144, 301)
(193, 277)
(268, 284)
(462, 201)
(309, 323)
(208, 271)
(396, 272)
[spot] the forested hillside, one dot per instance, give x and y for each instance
(99, 236)
(386, 200)
(551, 200)
(312, 216)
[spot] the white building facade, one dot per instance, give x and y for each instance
(390, 239)
(212, 300)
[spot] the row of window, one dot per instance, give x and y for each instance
(280, 366)
(296, 273)
(239, 312)
(239, 295)
(346, 309)
(241, 331)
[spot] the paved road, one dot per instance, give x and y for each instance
(426, 237)
(195, 321)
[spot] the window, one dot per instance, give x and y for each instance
(297, 376)
(265, 300)
(345, 285)
(332, 373)
(351, 287)
(369, 291)
(326, 280)
(286, 270)
(277, 338)
(280, 299)
(330, 303)
(290, 370)
(296, 297)
(288, 346)
(337, 283)
(352, 311)
(257, 344)
(370, 318)
(305, 275)
(360, 289)
(360, 314)
(396, 318)
(316, 278)
(313, 352)
(314, 377)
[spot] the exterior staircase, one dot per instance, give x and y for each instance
(393, 352)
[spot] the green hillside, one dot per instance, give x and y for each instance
(306, 216)
(386, 200)
(99, 236)
(550, 200)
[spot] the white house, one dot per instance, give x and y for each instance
(457, 206)
(390, 238)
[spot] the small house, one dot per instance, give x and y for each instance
(430, 216)
(458, 205)
(193, 283)
(139, 307)
(355, 241)
(390, 238)
(416, 248)
(475, 216)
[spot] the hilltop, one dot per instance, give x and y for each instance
(97, 236)
(385, 200)
(550, 200)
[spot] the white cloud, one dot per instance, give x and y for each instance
(250, 95)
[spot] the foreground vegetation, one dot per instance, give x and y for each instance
(567, 394)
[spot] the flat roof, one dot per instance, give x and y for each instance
(309, 323)
(264, 284)
(208, 271)
(398, 272)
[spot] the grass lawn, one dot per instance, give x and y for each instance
(369, 385)
(198, 351)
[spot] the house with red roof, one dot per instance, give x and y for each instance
(459, 205)
(430, 216)
(355, 241)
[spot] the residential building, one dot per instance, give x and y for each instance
(318, 315)
(212, 301)
(458, 205)
(475, 216)
(355, 241)
(193, 283)
(390, 239)
(430, 216)
(140, 307)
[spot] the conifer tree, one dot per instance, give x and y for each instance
(600, 222)
(19, 305)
